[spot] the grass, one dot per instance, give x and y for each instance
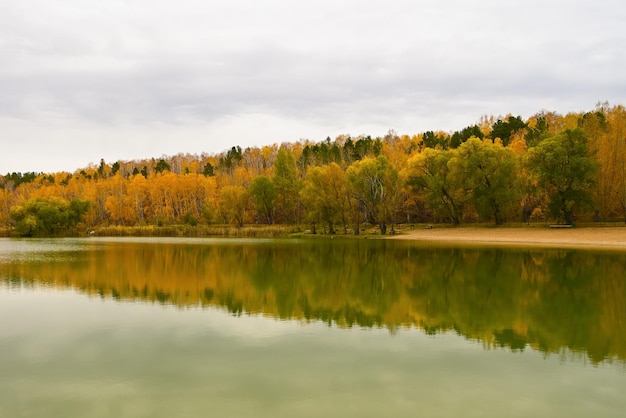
(252, 231)
(284, 231)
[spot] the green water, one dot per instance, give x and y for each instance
(286, 328)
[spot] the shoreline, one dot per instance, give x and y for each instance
(609, 237)
(613, 237)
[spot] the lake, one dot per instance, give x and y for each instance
(104, 327)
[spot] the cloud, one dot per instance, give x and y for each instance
(72, 69)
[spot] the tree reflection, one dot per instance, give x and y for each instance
(547, 300)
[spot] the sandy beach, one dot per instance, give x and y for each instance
(582, 237)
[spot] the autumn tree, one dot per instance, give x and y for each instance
(263, 194)
(233, 204)
(450, 177)
(430, 175)
(6, 201)
(489, 174)
(325, 195)
(287, 185)
(606, 131)
(373, 182)
(565, 171)
(231, 160)
(137, 200)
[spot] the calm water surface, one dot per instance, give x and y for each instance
(285, 328)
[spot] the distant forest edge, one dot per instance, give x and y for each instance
(548, 168)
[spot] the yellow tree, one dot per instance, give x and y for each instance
(114, 203)
(429, 175)
(137, 201)
(162, 189)
(610, 148)
(6, 201)
(96, 191)
(374, 183)
(210, 202)
(397, 149)
(233, 204)
(189, 197)
(517, 142)
(268, 154)
(325, 195)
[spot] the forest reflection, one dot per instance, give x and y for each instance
(545, 299)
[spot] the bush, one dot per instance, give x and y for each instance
(55, 216)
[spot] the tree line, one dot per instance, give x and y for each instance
(549, 167)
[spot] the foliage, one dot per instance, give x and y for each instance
(162, 166)
(325, 195)
(438, 140)
(11, 180)
(550, 166)
(287, 185)
(231, 160)
(373, 183)
(565, 170)
(233, 204)
(503, 129)
(430, 176)
(489, 174)
(263, 194)
(208, 170)
(458, 138)
(54, 216)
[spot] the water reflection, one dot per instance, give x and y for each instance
(548, 300)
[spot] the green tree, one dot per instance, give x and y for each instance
(287, 185)
(162, 166)
(503, 129)
(429, 174)
(231, 160)
(115, 168)
(54, 216)
(208, 170)
(489, 172)
(565, 171)
(460, 137)
(263, 194)
(431, 139)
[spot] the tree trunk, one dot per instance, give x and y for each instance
(497, 215)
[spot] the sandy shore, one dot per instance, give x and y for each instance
(587, 237)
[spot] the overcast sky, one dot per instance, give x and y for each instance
(123, 79)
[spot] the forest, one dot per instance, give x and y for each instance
(547, 168)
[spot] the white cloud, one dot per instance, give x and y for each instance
(133, 79)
